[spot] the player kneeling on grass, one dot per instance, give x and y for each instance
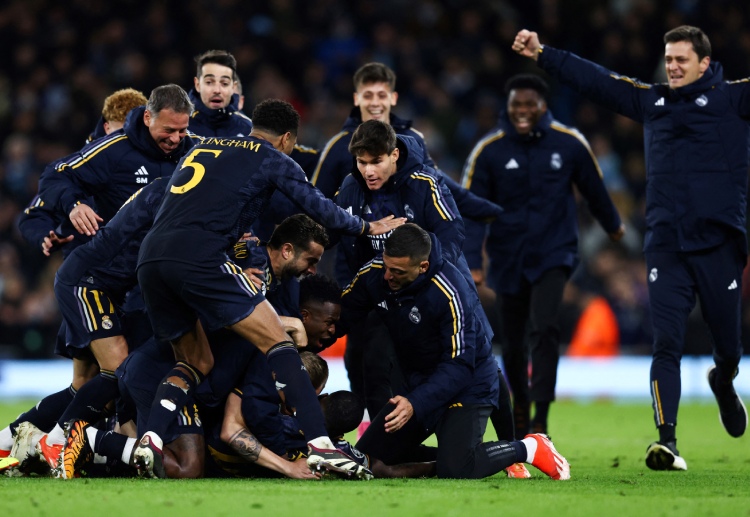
(450, 375)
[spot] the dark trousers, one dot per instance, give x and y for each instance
(461, 452)
(537, 306)
(370, 361)
(715, 276)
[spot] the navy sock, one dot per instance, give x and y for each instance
(47, 411)
(89, 402)
(171, 398)
(110, 444)
(298, 389)
(520, 449)
(667, 433)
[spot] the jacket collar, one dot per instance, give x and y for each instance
(538, 131)
(139, 135)
(214, 116)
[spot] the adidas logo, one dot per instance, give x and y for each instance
(367, 210)
(660, 102)
(383, 305)
(141, 175)
(512, 164)
(733, 285)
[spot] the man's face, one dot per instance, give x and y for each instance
(167, 128)
(377, 170)
(320, 321)
(682, 64)
(401, 271)
(374, 101)
(525, 108)
(300, 262)
(215, 85)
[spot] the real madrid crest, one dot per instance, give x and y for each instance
(414, 315)
(409, 212)
(106, 322)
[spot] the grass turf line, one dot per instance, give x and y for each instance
(605, 443)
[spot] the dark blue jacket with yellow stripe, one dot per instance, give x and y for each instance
(229, 121)
(416, 192)
(112, 169)
(437, 326)
(695, 142)
(532, 177)
(336, 163)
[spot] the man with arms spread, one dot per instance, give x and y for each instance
(695, 134)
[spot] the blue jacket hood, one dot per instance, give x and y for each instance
(214, 115)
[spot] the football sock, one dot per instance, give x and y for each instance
(667, 433)
(531, 445)
(88, 404)
(56, 436)
(298, 390)
(111, 444)
(47, 411)
(171, 398)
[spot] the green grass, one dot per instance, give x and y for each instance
(604, 441)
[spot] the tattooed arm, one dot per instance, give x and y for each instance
(235, 434)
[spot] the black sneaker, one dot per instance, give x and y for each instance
(664, 456)
(334, 460)
(732, 412)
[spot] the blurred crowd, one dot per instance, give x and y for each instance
(452, 58)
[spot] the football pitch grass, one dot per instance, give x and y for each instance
(604, 442)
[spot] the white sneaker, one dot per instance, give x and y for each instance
(24, 443)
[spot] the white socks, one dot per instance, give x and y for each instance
(56, 436)
(530, 444)
(6, 439)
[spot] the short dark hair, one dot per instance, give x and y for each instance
(373, 137)
(693, 35)
(343, 412)
(374, 73)
(408, 240)
(169, 96)
(299, 230)
(318, 288)
(219, 57)
(317, 368)
(527, 82)
(276, 117)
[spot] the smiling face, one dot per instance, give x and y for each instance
(375, 101)
(402, 271)
(525, 108)
(300, 262)
(215, 85)
(682, 64)
(167, 128)
(377, 170)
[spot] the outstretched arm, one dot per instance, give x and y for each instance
(235, 434)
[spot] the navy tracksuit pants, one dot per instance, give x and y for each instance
(674, 280)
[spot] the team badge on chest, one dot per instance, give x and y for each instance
(414, 315)
(556, 161)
